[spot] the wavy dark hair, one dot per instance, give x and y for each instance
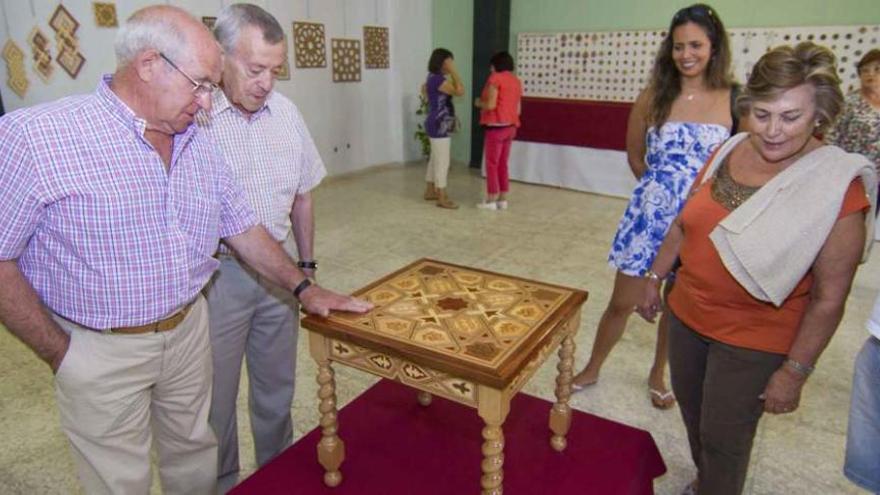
(438, 56)
(666, 80)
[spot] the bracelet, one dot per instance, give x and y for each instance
(652, 275)
(312, 265)
(799, 367)
(305, 284)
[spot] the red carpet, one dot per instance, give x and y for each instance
(395, 446)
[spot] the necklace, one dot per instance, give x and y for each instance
(690, 97)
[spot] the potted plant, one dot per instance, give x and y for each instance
(421, 135)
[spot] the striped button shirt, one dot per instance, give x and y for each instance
(271, 154)
(105, 234)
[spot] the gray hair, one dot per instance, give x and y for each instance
(145, 30)
(235, 17)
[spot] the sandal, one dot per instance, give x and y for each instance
(661, 400)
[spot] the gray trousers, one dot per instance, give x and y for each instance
(251, 317)
(717, 387)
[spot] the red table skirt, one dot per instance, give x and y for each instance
(589, 124)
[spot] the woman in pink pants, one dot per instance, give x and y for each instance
(499, 105)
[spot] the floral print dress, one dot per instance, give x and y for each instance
(858, 129)
(675, 154)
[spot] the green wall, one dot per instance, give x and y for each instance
(453, 25)
(562, 15)
(453, 29)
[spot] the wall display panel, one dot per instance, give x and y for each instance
(65, 26)
(616, 65)
(309, 45)
(537, 64)
(283, 73)
(42, 56)
(376, 47)
(346, 60)
(14, 57)
(105, 14)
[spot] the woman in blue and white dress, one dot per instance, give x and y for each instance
(675, 124)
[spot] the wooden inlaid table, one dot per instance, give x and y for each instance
(468, 335)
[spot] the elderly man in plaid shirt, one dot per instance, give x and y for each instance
(266, 143)
(112, 206)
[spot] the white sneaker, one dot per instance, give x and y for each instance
(502, 205)
(487, 206)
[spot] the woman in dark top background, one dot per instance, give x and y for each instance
(440, 122)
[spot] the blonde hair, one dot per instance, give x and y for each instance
(784, 68)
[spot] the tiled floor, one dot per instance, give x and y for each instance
(371, 223)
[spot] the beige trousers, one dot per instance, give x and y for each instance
(438, 163)
(120, 394)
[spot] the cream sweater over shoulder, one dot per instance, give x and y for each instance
(770, 241)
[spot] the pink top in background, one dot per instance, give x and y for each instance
(509, 95)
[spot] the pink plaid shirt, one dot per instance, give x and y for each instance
(103, 232)
(271, 154)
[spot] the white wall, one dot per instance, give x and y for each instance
(367, 123)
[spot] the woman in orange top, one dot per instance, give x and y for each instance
(499, 105)
(769, 244)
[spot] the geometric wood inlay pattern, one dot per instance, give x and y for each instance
(376, 47)
(41, 54)
(396, 368)
(309, 45)
(17, 75)
(283, 73)
(65, 26)
(461, 314)
(105, 14)
(346, 59)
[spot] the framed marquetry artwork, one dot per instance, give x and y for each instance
(346, 55)
(616, 65)
(41, 54)
(310, 49)
(284, 72)
(17, 75)
(376, 47)
(105, 14)
(65, 26)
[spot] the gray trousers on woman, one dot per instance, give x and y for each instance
(251, 317)
(717, 386)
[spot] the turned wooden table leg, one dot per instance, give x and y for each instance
(425, 398)
(560, 414)
(493, 408)
(331, 448)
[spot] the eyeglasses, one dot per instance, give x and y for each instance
(199, 88)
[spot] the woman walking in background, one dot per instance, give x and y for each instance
(440, 122)
(675, 124)
(499, 105)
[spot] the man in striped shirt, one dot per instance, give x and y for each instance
(266, 143)
(113, 204)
